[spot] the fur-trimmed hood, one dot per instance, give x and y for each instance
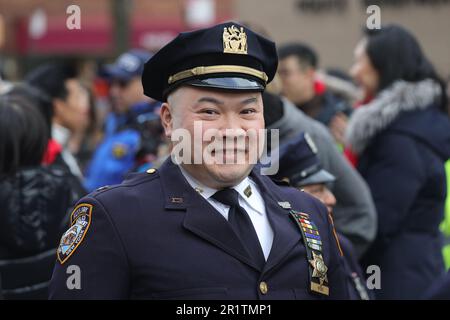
(401, 97)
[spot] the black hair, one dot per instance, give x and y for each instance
(51, 78)
(41, 100)
(304, 53)
(396, 55)
(23, 134)
(273, 108)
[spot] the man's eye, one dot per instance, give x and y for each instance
(248, 111)
(318, 190)
(209, 111)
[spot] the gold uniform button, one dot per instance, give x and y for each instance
(263, 287)
(152, 170)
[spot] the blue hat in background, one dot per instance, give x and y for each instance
(227, 56)
(299, 163)
(128, 65)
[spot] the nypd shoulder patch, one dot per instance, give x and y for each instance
(80, 221)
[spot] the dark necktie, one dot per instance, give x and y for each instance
(241, 224)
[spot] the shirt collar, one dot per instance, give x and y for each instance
(247, 189)
(60, 134)
(205, 191)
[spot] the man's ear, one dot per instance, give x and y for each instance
(167, 119)
(58, 107)
(311, 73)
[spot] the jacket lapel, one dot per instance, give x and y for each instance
(286, 233)
(201, 218)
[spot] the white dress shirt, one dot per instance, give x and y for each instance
(253, 204)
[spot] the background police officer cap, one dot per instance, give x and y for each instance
(128, 65)
(227, 56)
(300, 164)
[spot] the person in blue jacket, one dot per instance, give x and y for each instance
(402, 139)
(203, 229)
(132, 129)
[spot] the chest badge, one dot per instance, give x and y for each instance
(320, 272)
(313, 244)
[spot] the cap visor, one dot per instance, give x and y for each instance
(320, 176)
(231, 83)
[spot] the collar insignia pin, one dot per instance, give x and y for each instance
(248, 191)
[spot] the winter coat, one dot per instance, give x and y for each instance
(402, 140)
(33, 211)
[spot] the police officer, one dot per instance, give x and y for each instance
(301, 167)
(132, 129)
(203, 230)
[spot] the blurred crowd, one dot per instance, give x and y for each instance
(378, 138)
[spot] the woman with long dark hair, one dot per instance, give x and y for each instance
(35, 199)
(401, 137)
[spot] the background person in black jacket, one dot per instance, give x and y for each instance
(54, 154)
(402, 139)
(35, 199)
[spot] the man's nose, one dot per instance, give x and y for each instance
(330, 199)
(231, 129)
(231, 122)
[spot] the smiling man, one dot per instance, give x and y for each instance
(209, 229)
(229, 124)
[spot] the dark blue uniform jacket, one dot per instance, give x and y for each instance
(154, 237)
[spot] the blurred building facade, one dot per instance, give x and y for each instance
(37, 29)
(333, 27)
(32, 30)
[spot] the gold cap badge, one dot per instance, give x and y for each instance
(234, 40)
